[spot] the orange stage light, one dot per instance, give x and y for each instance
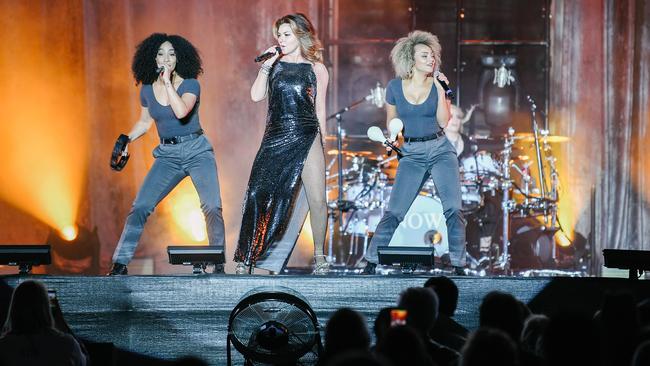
(69, 232)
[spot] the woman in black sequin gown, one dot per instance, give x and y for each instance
(291, 152)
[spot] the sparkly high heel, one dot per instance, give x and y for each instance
(240, 269)
(322, 267)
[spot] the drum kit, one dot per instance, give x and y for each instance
(504, 194)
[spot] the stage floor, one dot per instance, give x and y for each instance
(172, 316)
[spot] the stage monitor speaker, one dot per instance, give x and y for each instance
(393, 255)
(198, 256)
(25, 256)
(636, 261)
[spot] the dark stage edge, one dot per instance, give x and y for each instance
(173, 316)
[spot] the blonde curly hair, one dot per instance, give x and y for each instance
(310, 46)
(402, 55)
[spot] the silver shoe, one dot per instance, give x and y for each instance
(321, 268)
(240, 269)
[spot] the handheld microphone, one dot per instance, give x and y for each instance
(267, 55)
(375, 134)
(160, 70)
(394, 127)
(448, 92)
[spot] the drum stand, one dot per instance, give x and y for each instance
(341, 205)
(548, 203)
(503, 262)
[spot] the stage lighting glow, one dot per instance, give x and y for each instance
(46, 134)
(186, 213)
(305, 244)
(562, 240)
(69, 232)
(197, 225)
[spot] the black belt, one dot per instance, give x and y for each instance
(178, 139)
(425, 138)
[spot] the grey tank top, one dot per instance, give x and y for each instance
(419, 120)
(166, 122)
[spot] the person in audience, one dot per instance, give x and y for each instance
(29, 336)
(570, 339)
(489, 347)
(382, 323)
(642, 355)
(358, 358)
(446, 330)
(502, 311)
(531, 335)
(402, 345)
(618, 323)
(345, 331)
(421, 305)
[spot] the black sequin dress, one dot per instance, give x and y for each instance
(291, 126)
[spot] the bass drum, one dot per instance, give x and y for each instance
(480, 170)
(423, 226)
(471, 196)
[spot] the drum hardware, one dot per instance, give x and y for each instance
(349, 152)
(376, 97)
(546, 138)
(363, 189)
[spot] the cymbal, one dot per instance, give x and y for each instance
(346, 137)
(530, 137)
(349, 152)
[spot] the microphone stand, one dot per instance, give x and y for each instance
(341, 206)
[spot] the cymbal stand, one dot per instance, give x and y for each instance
(538, 153)
(506, 203)
(554, 194)
(341, 205)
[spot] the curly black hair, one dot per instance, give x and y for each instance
(188, 61)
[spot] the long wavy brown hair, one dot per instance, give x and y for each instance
(310, 46)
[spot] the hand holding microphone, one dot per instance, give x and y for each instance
(394, 127)
(442, 80)
(164, 72)
(270, 52)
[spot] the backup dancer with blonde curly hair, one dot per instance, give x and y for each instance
(420, 102)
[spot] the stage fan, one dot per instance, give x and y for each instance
(274, 325)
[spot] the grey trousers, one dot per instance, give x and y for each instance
(173, 163)
(436, 158)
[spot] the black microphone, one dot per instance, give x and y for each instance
(448, 92)
(160, 70)
(267, 55)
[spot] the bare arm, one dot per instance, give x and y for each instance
(142, 125)
(391, 112)
(322, 80)
(181, 105)
(260, 85)
(469, 113)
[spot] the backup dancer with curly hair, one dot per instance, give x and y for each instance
(420, 102)
(167, 67)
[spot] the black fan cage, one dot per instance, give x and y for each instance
(271, 306)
